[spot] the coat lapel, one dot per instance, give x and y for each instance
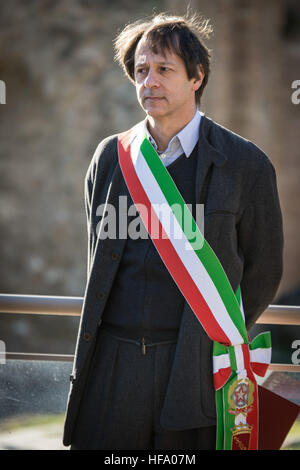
(207, 156)
(116, 189)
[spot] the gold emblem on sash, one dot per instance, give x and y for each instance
(240, 399)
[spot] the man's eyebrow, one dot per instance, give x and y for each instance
(139, 64)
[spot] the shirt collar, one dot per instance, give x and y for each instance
(186, 138)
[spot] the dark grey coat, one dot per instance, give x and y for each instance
(236, 181)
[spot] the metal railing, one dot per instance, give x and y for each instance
(72, 306)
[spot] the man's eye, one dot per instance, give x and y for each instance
(164, 69)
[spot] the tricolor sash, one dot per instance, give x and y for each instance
(203, 282)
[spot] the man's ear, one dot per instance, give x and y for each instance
(197, 81)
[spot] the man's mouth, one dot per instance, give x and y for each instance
(153, 98)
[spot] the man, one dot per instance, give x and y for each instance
(142, 376)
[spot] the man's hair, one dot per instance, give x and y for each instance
(182, 35)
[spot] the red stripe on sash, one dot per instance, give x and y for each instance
(220, 378)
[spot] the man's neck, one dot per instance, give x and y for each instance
(163, 131)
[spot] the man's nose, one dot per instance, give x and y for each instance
(151, 80)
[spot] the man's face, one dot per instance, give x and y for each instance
(162, 85)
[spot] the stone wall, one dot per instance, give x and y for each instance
(65, 93)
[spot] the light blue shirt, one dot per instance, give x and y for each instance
(183, 142)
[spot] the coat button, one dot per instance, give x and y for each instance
(115, 256)
(101, 295)
(87, 337)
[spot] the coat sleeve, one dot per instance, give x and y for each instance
(261, 244)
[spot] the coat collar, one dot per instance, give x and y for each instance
(208, 152)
